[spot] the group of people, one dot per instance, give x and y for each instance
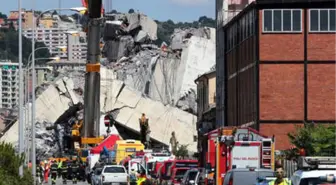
(64, 169)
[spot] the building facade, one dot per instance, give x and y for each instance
(27, 18)
(54, 38)
(279, 66)
(225, 11)
(9, 90)
(206, 107)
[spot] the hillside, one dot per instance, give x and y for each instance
(9, 46)
(166, 28)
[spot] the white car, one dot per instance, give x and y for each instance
(114, 175)
(315, 171)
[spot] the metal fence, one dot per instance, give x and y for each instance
(289, 166)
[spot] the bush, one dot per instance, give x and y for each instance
(315, 139)
(10, 162)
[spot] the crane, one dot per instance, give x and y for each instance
(89, 134)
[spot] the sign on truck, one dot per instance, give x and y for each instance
(246, 154)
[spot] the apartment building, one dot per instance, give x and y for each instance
(47, 21)
(27, 18)
(62, 36)
(206, 107)
(279, 66)
(9, 90)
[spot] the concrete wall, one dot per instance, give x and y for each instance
(200, 56)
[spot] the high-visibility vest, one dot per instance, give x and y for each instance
(284, 182)
(141, 180)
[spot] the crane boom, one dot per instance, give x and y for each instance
(92, 76)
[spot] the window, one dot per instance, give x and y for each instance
(282, 20)
(114, 169)
(322, 20)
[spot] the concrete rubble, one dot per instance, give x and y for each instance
(115, 95)
(139, 77)
(166, 76)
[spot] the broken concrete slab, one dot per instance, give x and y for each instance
(130, 104)
(49, 106)
(133, 20)
(149, 25)
(141, 36)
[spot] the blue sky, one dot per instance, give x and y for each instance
(176, 10)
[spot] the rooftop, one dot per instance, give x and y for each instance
(212, 71)
(260, 4)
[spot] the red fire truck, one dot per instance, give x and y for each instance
(236, 148)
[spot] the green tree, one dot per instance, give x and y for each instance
(166, 28)
(131, 10)
(315, 139)
(9, 47)
(10, 162)
(182, 151)
(3, 16)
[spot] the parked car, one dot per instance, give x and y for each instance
(245, 176)
(176, 176)
(200, 177)
(189, 177)
(114, 174)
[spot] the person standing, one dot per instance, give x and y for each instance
(173, 143)
(46, 171)
(53, 169)
(75, 171)
(64, 172)
(280, 180)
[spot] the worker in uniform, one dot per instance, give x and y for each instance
(75, 171)
(64, 172)
(69, 164)
(144, 127)
(280, 180)
(46, 171)
(39, 173)
(133, 176)
(141, 178)
(59, 168)
(53, 170)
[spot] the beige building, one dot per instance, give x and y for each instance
(206, 100)
(27, 18)
(206, 108)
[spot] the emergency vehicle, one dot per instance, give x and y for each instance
(231, 147)
(315, 170)
(125, 148)
(151, 157)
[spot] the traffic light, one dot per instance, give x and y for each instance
(108, 121)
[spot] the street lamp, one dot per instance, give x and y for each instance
(21, 128)
(81, 10)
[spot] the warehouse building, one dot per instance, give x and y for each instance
(279, 62)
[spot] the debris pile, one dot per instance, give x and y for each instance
(140, 77)
(165, 74)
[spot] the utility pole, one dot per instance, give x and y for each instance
(21, 105)
(92, 76)
(33, 108)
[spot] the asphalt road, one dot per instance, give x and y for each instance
(60, 182)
